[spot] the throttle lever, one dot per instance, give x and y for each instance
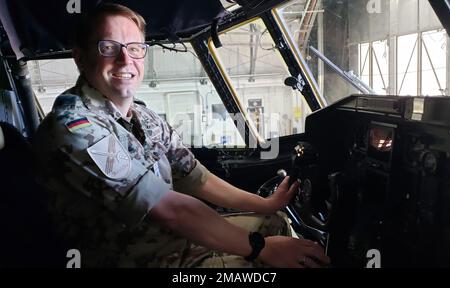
(334, 180)
(303, 154)
(281, 173)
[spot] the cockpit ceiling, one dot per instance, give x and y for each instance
(39, 27)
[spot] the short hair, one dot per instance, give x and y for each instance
(84, 29)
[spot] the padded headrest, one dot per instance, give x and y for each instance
(10, 135)
(2, 139)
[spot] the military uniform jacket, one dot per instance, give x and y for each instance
(103, 179)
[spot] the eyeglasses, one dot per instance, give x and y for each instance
(111, 48)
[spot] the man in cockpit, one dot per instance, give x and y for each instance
(124, 189)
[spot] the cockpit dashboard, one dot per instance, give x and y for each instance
(381, 184)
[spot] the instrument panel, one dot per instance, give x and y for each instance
(375, 177)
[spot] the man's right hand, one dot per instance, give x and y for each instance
(191, 218)
(288, 252)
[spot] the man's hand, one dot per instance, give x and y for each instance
(287, 252)
(223, 194)
(282, 196)
(192, 219)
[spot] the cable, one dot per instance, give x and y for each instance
(274, 47)
(170, 48)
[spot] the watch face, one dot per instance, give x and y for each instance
(257, 240)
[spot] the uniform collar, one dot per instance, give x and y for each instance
(94, 100)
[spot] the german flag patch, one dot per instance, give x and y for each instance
(79, 123)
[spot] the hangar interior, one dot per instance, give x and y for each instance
(351, 46)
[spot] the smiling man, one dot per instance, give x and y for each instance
(124, 189)
(115, 74)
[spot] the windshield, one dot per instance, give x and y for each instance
(257, 72)
(370, 46)
(175, 86)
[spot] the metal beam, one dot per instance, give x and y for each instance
(254, 43)
(294, 60)
(407, 67)
(442, 9)
(379, 69)
(320, 46)
(370, 53)
(151, 72)
(214, 72)
(306, 23)
(447, 90)
(393, 56)
(419, 63)
(432, 66)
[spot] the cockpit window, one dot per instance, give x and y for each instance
(50, 78)
(229, 5)
(370, 46)
(175, 86)
(252, 63)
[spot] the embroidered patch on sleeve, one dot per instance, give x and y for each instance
(79, 123)
(111, 157)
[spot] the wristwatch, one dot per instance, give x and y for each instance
(257, 242)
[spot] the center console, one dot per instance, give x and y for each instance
(375, 174)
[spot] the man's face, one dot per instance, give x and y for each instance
(115, 77)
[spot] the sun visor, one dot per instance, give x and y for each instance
(36, 28)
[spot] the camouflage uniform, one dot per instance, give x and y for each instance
(104, 175)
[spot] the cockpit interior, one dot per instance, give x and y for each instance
(350, 97)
